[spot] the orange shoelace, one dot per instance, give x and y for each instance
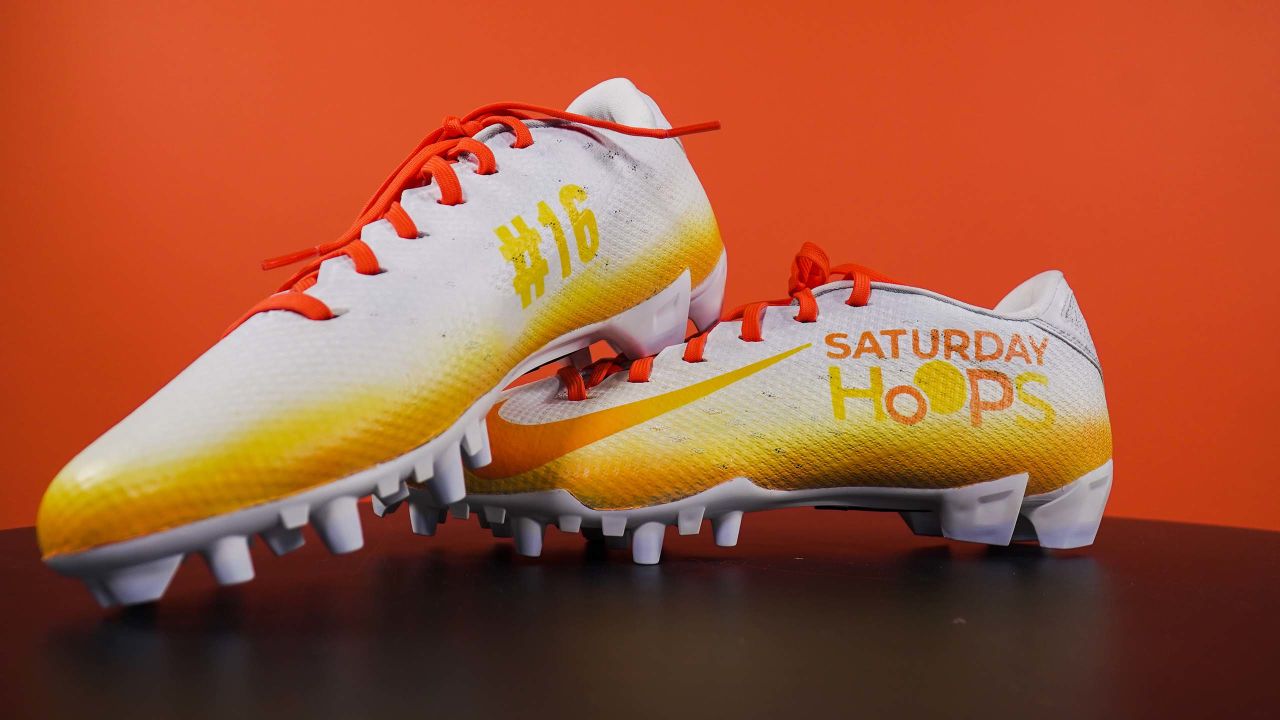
(810, 269)
(432, 159)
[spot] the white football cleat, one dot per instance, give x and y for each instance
(511, 237)
(985, 425)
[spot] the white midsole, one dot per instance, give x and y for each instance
(983, 512)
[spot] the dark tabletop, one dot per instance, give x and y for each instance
(814, 613)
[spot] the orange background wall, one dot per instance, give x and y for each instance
(152, 154)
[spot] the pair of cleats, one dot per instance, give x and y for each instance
(517, 236)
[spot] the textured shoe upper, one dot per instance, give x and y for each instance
(911, 390)
(284, 403)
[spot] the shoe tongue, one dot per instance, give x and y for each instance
(619, 100)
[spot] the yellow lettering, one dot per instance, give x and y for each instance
(521, 250)
(583, 222)
(1036, 402)
(840, 393)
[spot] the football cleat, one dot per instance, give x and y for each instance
(510, 237)
(854, 392)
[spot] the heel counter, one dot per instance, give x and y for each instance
(1062, 314)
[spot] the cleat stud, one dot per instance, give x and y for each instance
(501, 530)
(424, 515)
(569, 523)
(922, 522)
(391, 490)
(1071, 520)
(100, 594)
(613, 525)
(460, 510)
(690, 521)
(448, 484)
(283, 540)
(422, 521)
(983, 513)
(294, 517)
(228, 560)
(646, 543)
(725, 528)
(495, 515)
(141, 583)
(475, 445)
(382, 509)
(527, 534)
(389, 494)
(338, 523)
(423, 470)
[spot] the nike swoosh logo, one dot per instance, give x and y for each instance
(518, 448)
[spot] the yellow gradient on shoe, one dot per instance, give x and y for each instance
(308, 445)
(526, 447)
(801, 446)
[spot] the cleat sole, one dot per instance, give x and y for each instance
(996, 512)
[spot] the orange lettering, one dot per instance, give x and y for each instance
(955, 341)
(1018, 349)
(868, 344)
(933, 344)
(979, 354)
(1039, 350)
(976, 404)
(839, 348)
(893, 394)
(893, 336)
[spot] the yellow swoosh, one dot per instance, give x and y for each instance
(518, 448)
